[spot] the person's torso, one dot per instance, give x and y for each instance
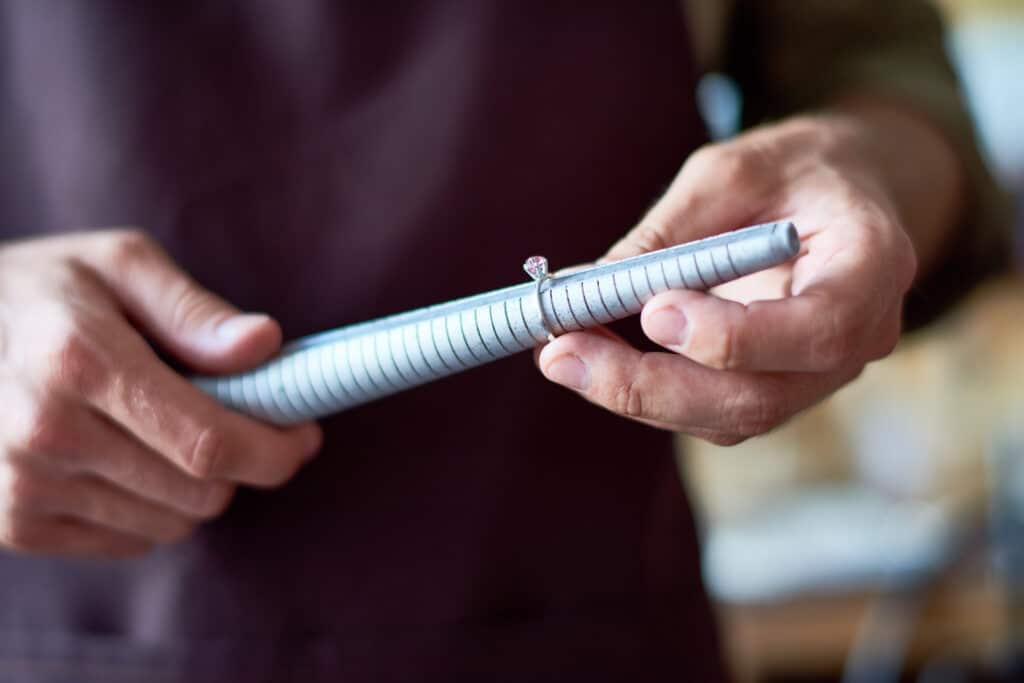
(329, 163)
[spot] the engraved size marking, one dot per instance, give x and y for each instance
(361, 348)
(344, 350)
(462, 332)
(448, 336)
(586, 303)
(375, 348)
(679, 269)
(475, 313)
(568, 302)
(413, 330)
(714, 266)
(317, 378)
(351, 387)
(288, 372)
(433, 342)
(390, 353)
(732, 264)
(329, 355)
(282, 404)
(700, 275)
(405, 354)
(370, 347)
(632, 286)
(600, 297)
(494, 329)
(558, 318)
(615, 286)
(526, 328)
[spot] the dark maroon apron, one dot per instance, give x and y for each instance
(330, 162)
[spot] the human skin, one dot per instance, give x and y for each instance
(874, 190)
(104, 450)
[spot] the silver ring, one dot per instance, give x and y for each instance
(537, 268)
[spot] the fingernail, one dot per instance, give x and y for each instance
(236, 326)
(667, 325)
(569, 371)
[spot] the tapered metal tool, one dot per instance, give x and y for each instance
(329, 372)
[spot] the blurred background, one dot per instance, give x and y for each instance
(880, 536)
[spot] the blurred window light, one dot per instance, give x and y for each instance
(720, 104)
(988, 49)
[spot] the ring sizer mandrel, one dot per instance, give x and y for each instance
(329, 372)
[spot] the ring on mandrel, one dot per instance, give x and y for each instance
(537, 268)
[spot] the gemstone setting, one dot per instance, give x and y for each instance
(536, 267)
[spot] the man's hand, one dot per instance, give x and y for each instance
(103, 449)
(747, 357)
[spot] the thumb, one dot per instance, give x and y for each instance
(195, 325)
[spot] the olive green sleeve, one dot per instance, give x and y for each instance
(796, 55)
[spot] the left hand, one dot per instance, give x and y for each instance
(747, 357)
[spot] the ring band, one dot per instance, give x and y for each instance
(537, 268)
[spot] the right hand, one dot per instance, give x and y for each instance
(104, 450)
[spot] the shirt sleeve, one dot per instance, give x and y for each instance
(795, 55)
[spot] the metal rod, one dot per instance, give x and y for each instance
(329, 372)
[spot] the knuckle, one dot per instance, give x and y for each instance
(752, 413)
(203, 458)
(704, 158)
(836, 347)
(738, 167)
(830, 352)
(908, 262)
(887, 341)
(131, 472)
(651, 236)
(732, 163)
(722, 351)
(189, 305)
(127, 247)
(20, 490)
(628, 399)
(885, 236)
(73, 362)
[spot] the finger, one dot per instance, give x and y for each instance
(43, 535)
(92, 500)
(133, 467)
(74, 440)
(198, 435)
(195, 325)
(117, 373)
(601, 330)
(699, 201)
(828, 325)
(668, 390)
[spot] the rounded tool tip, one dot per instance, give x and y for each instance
(786, 239)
